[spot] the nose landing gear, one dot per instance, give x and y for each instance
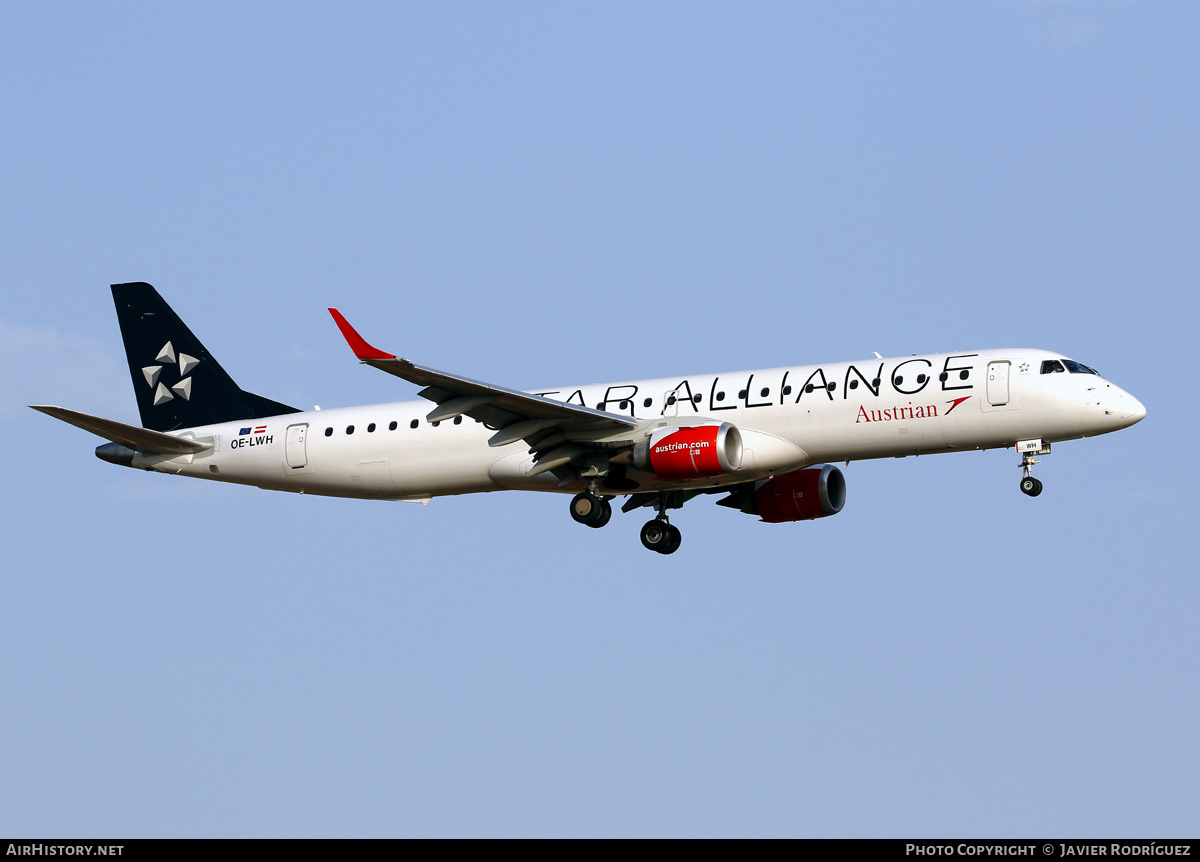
(1028, 448)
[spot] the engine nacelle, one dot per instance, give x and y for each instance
(814, 492)
(691, 452)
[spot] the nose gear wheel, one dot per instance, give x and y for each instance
(1029, 486)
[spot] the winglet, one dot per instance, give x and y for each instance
(359, 345)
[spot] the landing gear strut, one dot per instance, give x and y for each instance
(1028, 448)
(660, 534)
(589, 509)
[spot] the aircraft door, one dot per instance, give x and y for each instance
(997, 383)
(294, 449)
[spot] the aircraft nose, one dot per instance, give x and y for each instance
(1135, 411)
(1123, 407)
(1120, 408)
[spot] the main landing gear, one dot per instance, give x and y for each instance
(659, 535)
(1028, 448)
(590, 509)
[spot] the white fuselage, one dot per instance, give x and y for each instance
(788, 418)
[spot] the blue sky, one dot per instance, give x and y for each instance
(542, 194)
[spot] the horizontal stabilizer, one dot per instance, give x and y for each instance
(138, 439)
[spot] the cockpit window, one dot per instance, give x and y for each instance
(1079, 368)
(1052, 366)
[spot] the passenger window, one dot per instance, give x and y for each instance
(624, 405)
(349, 429)
(414, 423)
(720, 396)
(921, 378)
(328, 432)
(943, 377)
(647, 402)
(808, 388)
(964, 374)
(832, 386)
(853, 384)
(392, 426)
(875, 382)
(898, 381)
(764, 393)
(696, 398)
(371, 428)
(458, 420)
(742, 395)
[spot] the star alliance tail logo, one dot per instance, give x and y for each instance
(153, 373)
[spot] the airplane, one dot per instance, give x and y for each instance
(766, 439)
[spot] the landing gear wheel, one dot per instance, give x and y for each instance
(1031, 486)
(589, 509)
(605, 515)
(656, 535)
(675, 540)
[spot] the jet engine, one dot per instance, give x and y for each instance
(814, 492)
(691, 452)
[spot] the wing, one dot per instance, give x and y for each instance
(559, 434)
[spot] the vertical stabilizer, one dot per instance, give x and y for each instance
(177, 381)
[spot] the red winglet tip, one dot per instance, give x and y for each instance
(357, 343)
